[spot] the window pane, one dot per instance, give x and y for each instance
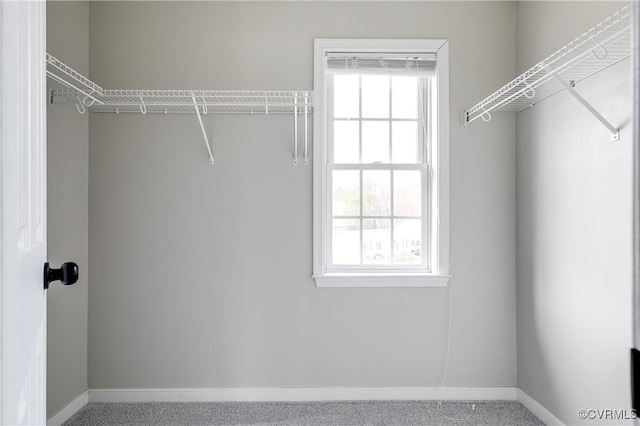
(375, 96)
(376, 241)
(375, 142)
(376, 186)
(346, 242)
(404, 142)
(407, 193)
(407, 241)
(404, 97)
(345, 96)
(346, 142)
(346, 192)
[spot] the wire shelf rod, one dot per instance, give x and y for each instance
(167, 112)
(209, 105)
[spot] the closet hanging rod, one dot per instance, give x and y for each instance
(602, 46)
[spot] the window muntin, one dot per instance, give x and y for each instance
(378, 131)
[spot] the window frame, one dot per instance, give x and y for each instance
(436, 175)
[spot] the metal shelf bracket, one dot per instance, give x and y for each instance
(295, 130)
(306, 131)
(615, 134)
(204, 133)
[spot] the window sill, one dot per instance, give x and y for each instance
(394, 280)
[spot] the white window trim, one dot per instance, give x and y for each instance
(440, 171)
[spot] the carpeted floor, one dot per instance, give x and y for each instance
(337, 413)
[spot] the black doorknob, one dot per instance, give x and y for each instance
(67, 274)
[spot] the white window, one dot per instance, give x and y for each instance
(381, 163)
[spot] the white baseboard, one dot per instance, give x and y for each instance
(538, 410)
(303, 394)
(67, 412)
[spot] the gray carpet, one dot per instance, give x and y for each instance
(337, 413)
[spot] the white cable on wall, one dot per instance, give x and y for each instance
(446, 364)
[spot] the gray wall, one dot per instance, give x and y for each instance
(574, 227)
(201, 275)
(67, 186)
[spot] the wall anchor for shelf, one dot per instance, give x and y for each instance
(465, 119)
(529, 92)
(615, 134)
(486, 115)
(599, 47)
(80, 106)
(205, 109)
(204, 133)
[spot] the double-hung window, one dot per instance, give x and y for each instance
(381, 163)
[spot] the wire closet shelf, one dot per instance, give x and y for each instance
(183, 101)
(602, 46)
(87, 95)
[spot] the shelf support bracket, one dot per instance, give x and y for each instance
(295, 130)
(306, 131)
(204, 133)
(615, 134)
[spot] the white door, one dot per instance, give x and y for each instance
(22, 212)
